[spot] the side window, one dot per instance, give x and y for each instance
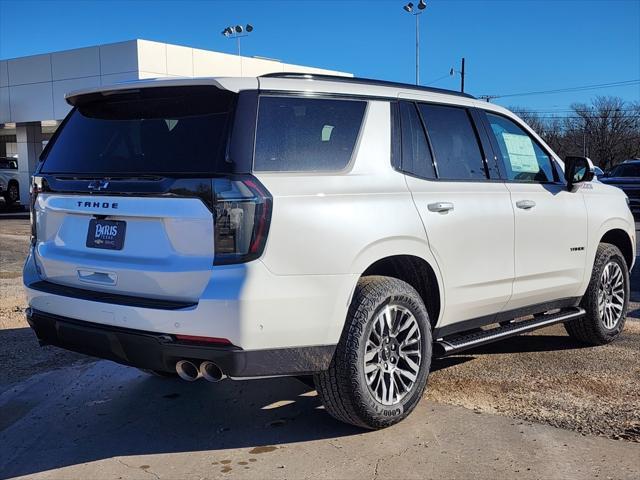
(416, 156)
(454, 142)
(306, 134)
(524, 160)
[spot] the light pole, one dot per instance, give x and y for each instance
(238, 32)
(416, 13)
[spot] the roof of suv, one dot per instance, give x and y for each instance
(288, 81)
(311, 84)
(364, 81)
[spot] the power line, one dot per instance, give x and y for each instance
(567, 110)
(438, 79)
(589, 117)
(623, 83)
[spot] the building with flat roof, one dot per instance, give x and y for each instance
(32, 88)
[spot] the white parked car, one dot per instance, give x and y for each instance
(9, 180)
(290, 224)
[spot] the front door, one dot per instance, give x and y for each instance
(550, 222)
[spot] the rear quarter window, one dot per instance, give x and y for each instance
(306, 134)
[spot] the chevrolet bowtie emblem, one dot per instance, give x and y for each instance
(98, 185)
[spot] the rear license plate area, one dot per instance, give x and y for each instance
(106, 234)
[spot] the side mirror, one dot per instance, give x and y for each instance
(578, 170)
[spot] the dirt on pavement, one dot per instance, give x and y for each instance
(544, 377)
(20, 354)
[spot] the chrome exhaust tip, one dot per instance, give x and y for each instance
(187, 370)
(211, 372)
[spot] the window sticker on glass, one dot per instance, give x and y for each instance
(522, 156)
(326, 132)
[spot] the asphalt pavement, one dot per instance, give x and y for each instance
(102, 420)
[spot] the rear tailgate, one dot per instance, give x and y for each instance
(123, 200)
(167, 245)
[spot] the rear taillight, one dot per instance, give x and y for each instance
(242, 211)
(34, 190)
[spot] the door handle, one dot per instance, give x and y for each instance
(525, 204)
(440, 207)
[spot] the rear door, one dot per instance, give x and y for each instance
(467, 216)
(550, 222)
(126, 205)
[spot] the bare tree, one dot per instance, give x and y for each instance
(607, 130)
(532, 119)
(610, 130)
(550, 129)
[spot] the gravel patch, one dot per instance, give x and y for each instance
(20, 354)
(546, 377)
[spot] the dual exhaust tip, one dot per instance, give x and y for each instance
(189, 371)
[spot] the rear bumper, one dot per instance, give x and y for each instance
(246, 304)
(157, 351)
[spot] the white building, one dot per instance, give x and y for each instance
(32, 88)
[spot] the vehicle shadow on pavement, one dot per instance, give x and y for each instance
(103, 410)
(11, 211)
(529, 343)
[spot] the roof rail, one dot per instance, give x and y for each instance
(363, 81)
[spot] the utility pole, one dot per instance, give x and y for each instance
(453, 71)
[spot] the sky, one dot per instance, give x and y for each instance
(510, 46)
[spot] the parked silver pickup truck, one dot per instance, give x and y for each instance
(9, 184)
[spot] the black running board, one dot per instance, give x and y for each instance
(458, 343)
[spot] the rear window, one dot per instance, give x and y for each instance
(148, 131)
(306, 134)
(8, 164)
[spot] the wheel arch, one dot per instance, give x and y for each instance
(417, 272)
(621, 239)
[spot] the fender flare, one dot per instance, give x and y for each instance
(395, 246)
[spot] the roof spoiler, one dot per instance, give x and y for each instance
(232, 84)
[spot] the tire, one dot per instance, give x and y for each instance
(596, 327)
(12, 195)
(344, 389)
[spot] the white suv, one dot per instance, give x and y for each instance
(290, 224)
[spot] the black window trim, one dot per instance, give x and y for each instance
(434, 159)
(492, 163)
(396, 136)
(493, 175)
(557, 171)
(315, 96)
(400, 147)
